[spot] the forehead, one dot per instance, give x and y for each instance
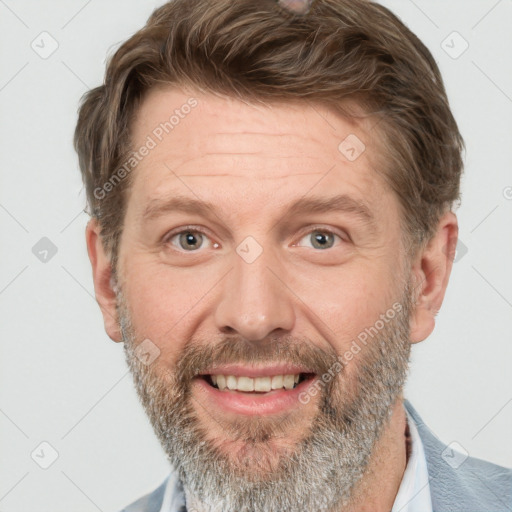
(211, 146)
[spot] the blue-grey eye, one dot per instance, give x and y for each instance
(321, 238)
(190, 240)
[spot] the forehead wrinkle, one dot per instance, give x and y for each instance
(227, 175)
(196, 162)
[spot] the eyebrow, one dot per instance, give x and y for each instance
(341, 203)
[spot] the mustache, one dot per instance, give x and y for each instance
(198, 357)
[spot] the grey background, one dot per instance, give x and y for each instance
(64, 382)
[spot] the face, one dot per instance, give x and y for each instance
(260, 271)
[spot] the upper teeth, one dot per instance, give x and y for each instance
(257, 384)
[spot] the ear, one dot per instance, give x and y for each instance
(431, 270)
(102, 277)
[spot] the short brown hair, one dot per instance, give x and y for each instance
(337, 52)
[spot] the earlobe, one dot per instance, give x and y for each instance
(431, 271)
(104, 285)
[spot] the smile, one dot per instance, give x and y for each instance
(258, 384)
(252, 391)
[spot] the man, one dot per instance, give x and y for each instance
(271, 189)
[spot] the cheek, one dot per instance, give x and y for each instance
(350, 300)
(164, 303)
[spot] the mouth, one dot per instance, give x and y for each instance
(246, 384)
(253, 395)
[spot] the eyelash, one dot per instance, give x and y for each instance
(195, 229)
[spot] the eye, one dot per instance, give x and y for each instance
(321, 238)
(188, 240)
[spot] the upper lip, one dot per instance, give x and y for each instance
(253, 371)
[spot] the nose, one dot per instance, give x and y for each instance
(255, 300)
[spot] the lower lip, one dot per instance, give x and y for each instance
(250, 404)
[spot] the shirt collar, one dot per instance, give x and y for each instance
(414, 492)
(174, 495)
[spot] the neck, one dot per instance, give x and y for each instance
(377, 490)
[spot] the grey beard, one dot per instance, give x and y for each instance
(322, 470)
